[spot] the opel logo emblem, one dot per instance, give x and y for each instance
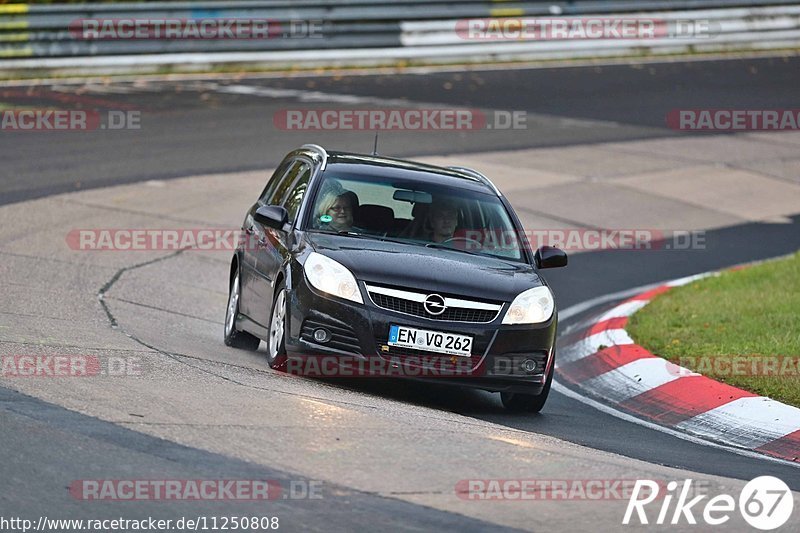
(434, 304)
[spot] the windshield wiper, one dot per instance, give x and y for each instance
(357, 235)
(440, 246)
(368, 236)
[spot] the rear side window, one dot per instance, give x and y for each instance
(274, 181)
(276, 197)
(298, 191)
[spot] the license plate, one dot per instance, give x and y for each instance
(430, 341)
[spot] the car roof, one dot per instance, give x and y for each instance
(347, 162)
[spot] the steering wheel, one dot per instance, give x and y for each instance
(465, 240)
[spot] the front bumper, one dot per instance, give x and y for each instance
(504, 358)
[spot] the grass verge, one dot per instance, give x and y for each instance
(228, 70)
(741, 327)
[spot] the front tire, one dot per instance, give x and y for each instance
(234, 338)
(527, 403)
(276, 343)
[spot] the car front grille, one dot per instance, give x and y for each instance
(411, 303)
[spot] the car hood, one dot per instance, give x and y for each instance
(427, 269)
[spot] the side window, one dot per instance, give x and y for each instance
(276, 196)
(274, 181)
(297, 192)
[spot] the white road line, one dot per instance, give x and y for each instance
(623, 310)
(303, 95)
(688, 279)
(594, 302)
(314, 96)
(99, 88)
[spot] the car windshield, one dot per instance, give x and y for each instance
(415, 212)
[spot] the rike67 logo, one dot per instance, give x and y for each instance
(765, 503)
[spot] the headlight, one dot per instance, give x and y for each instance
(531, 307)
(326, 275)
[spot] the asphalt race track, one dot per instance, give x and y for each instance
(200, 128)
(193, 128)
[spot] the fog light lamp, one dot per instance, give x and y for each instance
(322, 335)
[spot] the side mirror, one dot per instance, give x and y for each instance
(273, 216)
(550, 257)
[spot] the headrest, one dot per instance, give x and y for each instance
(373, 217)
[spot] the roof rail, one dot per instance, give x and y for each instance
(480, 177)
(318, 149)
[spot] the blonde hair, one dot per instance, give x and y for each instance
(328, 198)
(326, 201)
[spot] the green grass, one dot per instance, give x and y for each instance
(736, 317)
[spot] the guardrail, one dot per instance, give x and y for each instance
(358, 32)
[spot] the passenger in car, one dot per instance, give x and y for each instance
(335, 210)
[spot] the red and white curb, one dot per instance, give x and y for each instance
(603, 361)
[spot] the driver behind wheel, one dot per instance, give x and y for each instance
(442, 220)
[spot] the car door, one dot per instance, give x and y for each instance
(272, 248)
(248, 301)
